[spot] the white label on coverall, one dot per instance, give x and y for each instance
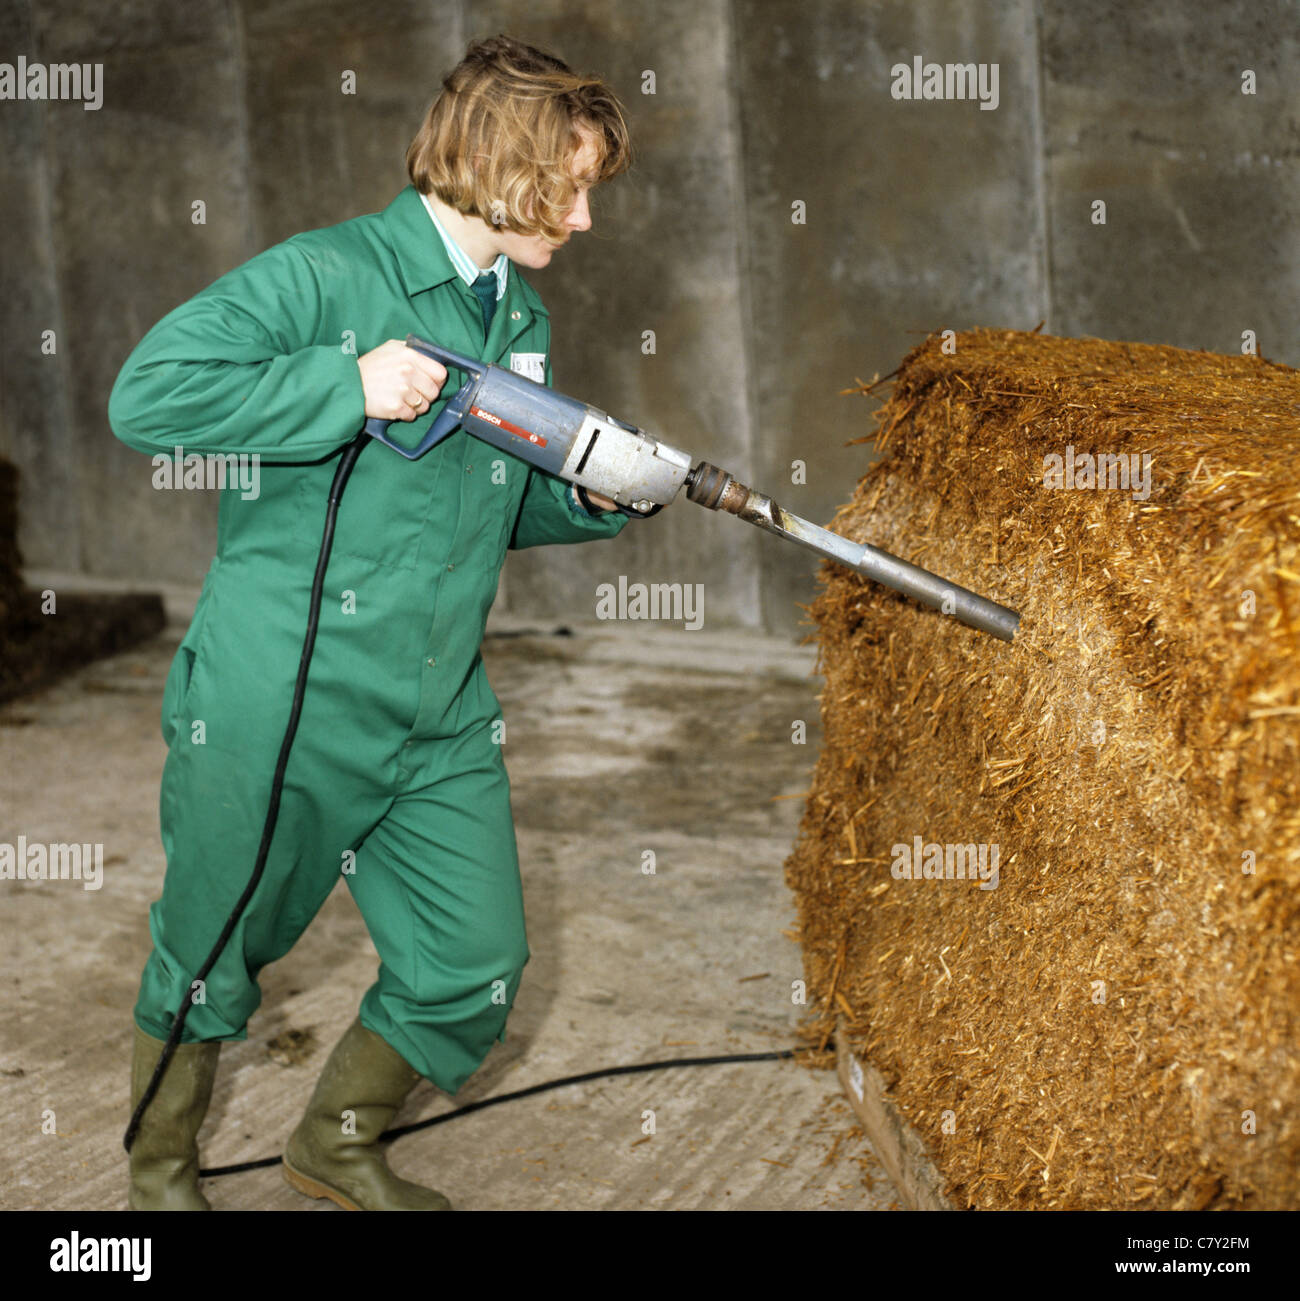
(529, 364)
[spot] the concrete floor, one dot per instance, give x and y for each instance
(621, 738)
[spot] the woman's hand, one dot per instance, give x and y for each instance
(399, 383)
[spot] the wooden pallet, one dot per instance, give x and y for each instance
(900, 1148)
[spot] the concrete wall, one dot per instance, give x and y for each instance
(918, 215)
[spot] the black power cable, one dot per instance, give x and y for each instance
(402, 1130)
(341, 475)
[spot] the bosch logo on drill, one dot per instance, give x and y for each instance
(536, 439)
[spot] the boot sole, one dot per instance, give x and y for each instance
(314, 1188)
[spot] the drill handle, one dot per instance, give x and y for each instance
(450, 416)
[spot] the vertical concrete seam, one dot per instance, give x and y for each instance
(65, 410)
(744, 271)
(252, 226)
(1040, 162)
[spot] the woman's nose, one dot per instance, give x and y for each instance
(580, 214)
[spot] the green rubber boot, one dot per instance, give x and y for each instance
(164, 1154)
(336, 1155)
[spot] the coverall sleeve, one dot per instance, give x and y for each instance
(549, 512)
(239, 368)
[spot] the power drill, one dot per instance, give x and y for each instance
(583, 446)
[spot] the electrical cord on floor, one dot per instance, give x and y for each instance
(341, 475)
(389, 1134)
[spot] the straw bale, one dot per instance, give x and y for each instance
(1107, 1026)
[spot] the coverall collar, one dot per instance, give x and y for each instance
(424, 262)
(464, 264)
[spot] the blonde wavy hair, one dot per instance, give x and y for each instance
(500, 140)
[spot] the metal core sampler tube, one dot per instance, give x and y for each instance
(715, 489)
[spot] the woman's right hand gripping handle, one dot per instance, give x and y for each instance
(399, 383)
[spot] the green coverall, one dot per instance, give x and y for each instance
(395, 759)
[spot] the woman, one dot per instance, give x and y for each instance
(394, 778)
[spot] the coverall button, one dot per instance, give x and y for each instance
(431, 661)
(514, 316)
(451, 567)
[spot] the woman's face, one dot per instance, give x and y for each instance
(535, 251)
